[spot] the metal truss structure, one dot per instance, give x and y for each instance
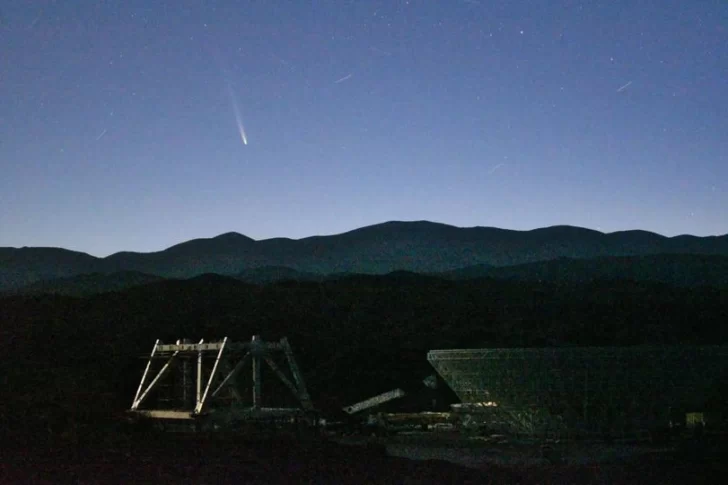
(593, 388)
(188, 381)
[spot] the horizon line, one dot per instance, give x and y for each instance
(360, 228)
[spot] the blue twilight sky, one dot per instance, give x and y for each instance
(121, 122)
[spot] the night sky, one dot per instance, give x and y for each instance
(138, 124)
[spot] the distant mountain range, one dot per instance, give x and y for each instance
(87, 284)
(558, 253)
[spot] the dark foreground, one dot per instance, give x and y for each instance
(200, 459)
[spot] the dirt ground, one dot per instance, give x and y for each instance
(211, 459)
(216, 459)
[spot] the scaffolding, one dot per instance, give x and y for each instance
(607, 389)
(196, 381)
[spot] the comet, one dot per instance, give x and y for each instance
(238, 117)
(239, 121)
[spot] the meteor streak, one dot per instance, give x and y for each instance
(624, 87)
(492, 170)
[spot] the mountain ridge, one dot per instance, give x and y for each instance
(679, 270)
(413, 246)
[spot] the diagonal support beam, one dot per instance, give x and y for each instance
(231, 375)
(283, 378)
(162, 372)
(302, 391)
(144, 376)
(232, 384)
(201, 403)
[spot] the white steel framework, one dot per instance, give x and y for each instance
(217, 371)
